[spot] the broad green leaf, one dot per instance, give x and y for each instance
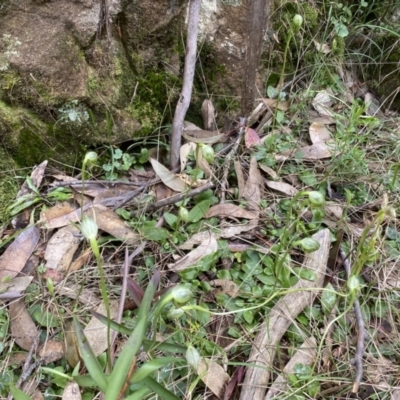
(199, 210)
(305, 273)
(171, 219)
(151, 366)
(328, 299)
(248, 316)
(155, 234)
(18, 393)
(42, 317)
(139, 394)
(272, 93)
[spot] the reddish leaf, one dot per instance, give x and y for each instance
(251, 138)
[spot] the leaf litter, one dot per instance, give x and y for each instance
(226, 247)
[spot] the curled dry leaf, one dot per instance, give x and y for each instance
(23, 329)
(229, 210)
(322, 103)
(251, 138)
(208, 246)
(319, 133)
(71, 391)
(184, 153)
(282, 187)
(62, 247)
(254, 184)
(169, 179)
(269, 171)
(213, 376)
(316, 151)
(16, 285)
(202, 136)
(208, 115)
(274, 103)
(13, 260)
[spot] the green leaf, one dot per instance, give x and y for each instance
(151, 366)
(164, 393)
(18, 394)
(171, 219)
(43, 318)
(155, 234)
(139, 394)
(89, 358)
(134, 342)
(272, 93)
(341, 30)
(248, 316)
(305, 273)
(328, 299)
(199, 210)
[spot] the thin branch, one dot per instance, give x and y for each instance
(187, 86)
(358, 358)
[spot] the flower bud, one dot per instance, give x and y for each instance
(353, 284)
(91, 157)
(193, 357)
(175, 313)
(308, 245)
(88, 228)
(183, 214)
(316, 198)
(181, 294)
(208, 153)
(297, 22)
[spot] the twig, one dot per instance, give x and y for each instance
(27, 368)
(358, 358)
(187, 85)
(228, 159)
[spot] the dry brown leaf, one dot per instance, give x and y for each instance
(71, 345)
(64, 219)
(208, 246)
(239, 177)
(58, 211)
(23, 329)
(71, 391)
(108, 221)
(169, 179)
(254, 183)
(80, 261)
(316, 151)
(51, 351)
(36, 178)
(202, 136)
(13, 260)
(62, 247)
(228, 231)
(269, 171)
(322, 103)
(229, 210)
(162, 192)
(96, 331)
(274, 103)
(325, 120)
(184, 153)
(208, 115)
(110, 195)
(213, 376)
(226, 286)
(84, 296)
(282, 187)
(322, 48)
(16, 285)
(319, 133)
(203, 164)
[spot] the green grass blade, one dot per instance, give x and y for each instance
(169, 347)
(93, 366)
(132, 346)
(139, 394)
(164, 393)
(151, 366)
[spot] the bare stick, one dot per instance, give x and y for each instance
(358, 358)
(187, 86)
